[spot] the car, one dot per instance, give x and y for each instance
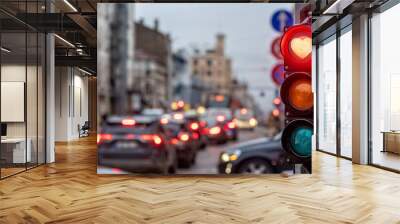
(137, 144)
(214, 131)
(258, 156)
(194, 123)
(222, 118)
(186, 141)
(245, 120)
(155, 112)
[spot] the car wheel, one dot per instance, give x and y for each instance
(203, 146)
(185, 163)
(223, 141)
(255, 166)
(172, 169)
(193, 159)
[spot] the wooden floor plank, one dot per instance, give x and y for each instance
(70, 191)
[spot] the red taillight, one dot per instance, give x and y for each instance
(231, 125)
(128, 122)
(174, 141)
(130, 136)
(164, 121)
(104, 138)
(153, 139)
(196, 135)
(194, 126)
(215, 130)
(157, 140)
(184, 137)
(203, 124)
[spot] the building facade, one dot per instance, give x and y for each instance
(214, 68)
(108, 68)
(152, 66)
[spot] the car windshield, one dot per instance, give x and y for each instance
(211, 121)
(220, 112)
(243, 114)
(174, 128)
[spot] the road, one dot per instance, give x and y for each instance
(207, 159)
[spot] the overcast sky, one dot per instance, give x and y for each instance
(248, 31)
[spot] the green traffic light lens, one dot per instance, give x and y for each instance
(301, 141)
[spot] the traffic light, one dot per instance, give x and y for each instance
(296, 93)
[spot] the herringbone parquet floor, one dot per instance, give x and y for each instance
(69, 191)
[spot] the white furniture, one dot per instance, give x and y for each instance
(18, 147)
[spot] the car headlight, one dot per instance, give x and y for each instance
(226, 157)
(253, 122)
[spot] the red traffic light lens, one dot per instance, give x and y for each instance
(296, 48)
(296, 93)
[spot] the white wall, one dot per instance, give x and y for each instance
(71, 102)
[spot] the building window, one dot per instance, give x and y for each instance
(346, 94)
(209, 62)
(209, 73)
(385, 89)
(327, 96)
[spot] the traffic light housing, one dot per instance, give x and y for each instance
(296, 94)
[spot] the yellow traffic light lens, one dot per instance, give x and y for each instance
(300, 95)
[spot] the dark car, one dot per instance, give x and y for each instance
(219, 130)
(197, 127)
(223, 117)
(185, 142)
(136, 144)
(258, 156)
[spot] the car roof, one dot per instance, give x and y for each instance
(153, 111)
(143, 119)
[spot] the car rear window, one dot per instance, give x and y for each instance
(141, 126)
(115, 129)
(174, 128)
(211, 121)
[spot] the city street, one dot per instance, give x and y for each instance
(207, 159)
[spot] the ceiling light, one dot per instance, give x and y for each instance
(5, 50)
(70, 5)
(64, 40)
